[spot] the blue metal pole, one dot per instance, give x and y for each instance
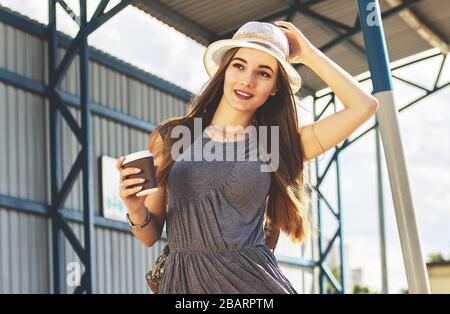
(320, 242)
(387, 116)
(372, 29)
(340, 221)
(55, 155)
(87, 152)
(384, 271)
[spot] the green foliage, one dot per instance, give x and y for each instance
(337, 275)
(436, 258)
(357, 289)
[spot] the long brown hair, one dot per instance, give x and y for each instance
(284, 207)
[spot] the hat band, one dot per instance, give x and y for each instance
(263, 39)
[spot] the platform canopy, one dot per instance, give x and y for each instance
(410, 26)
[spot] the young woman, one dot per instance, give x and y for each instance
(216, 209)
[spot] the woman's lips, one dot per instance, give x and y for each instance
(243, 95)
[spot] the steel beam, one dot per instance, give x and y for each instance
(55, 159)
(371, 24)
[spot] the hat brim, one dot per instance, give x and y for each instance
(215, 52)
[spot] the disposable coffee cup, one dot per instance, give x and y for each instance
(144, 161)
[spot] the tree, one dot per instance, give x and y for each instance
(404, 291)
(358, 289)
(337, 274)
(436, 258)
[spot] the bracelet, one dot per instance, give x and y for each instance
(138, 227)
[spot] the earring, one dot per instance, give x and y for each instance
(273, 94)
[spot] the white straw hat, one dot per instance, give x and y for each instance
(257, 35)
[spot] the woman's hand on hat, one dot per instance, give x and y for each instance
(299, 46)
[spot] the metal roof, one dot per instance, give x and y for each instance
(410, 26)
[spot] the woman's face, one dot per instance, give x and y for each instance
(254, 73)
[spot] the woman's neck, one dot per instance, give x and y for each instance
(226, 116)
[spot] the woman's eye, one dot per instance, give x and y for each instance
(264, 74)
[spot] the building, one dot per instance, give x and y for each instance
(439, 275)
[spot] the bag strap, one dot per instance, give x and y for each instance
(271, 235)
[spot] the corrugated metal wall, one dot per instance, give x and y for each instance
(25, 246)
(24, 259)
(25, 238)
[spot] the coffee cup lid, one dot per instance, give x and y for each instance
(136, 156)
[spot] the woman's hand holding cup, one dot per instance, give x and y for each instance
(130, 187)
(137, 178)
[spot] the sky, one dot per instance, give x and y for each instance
(162, 51)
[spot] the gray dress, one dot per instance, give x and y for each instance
(215, 222)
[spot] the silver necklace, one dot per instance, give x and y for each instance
(225, 137)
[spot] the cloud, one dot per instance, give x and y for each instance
(37, 9)
(154, 47)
